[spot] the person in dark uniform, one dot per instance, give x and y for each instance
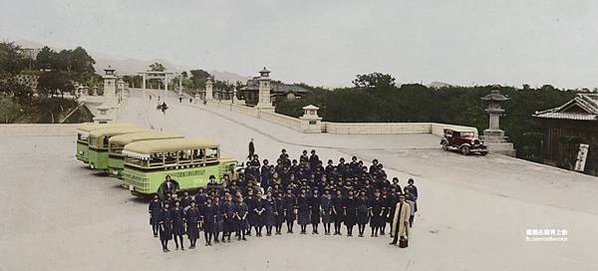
(219, 214)
(252, 216)
(208, 214)
(251, 149)
(241, 215)
(186, 200)
(213, 186)
(168, 186)
(411, 188)
(229, 217)
(193, 216)
(266, 175)
(303, 210)
(178, 224)
(376, 206)
(154, 211)
(338, 211)
(362, 212)
(200, 198)
(259, 209)
(314, 206)
(350, 209)
(289, 203)
(168, 199)
(269, 210)
(165, 222)
(326, 205)
(279, 213)
(393, 198)
(313, 160)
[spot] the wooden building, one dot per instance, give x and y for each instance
(566, 128)
(278, 91)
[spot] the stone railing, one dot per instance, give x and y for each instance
(356, 128)
(38, 129)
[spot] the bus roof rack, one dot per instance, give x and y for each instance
(148, 147)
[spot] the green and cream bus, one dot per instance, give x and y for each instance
(98, 144)
(83, 134)
(116, 144)
(190, 162)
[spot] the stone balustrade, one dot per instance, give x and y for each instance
(38, 129)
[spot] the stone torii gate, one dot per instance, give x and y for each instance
(162, 75)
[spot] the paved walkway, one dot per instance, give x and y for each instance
(473, 215)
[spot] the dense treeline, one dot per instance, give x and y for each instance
(58, 73)
(375, 99)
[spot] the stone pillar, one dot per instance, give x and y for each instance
(310, 121)
(143, 81)
(110, 86)
(165, 82)
(263, 102)
(209, 90)
(180, 84)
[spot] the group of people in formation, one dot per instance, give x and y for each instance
(270, 196)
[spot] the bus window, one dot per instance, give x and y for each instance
(105, 142)
(136, 161)
(92, 141)
(156, 159)
(170, 158)
(115, 148)
(185, 157)
(82, 137)
(198, 155)
(212, 154)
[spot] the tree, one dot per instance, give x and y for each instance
(81, 61)
(157, 67)
(46, 58)
(374, 80)
(12, 60)
(55, 82)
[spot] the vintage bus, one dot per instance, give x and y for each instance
(83, 134)
(189, 162)
(98, 144)
(116, 144)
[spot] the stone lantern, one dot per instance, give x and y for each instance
(494, 137)
(104, 115)
(264, 102)
(209, 89)
(310, 121)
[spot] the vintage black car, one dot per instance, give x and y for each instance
(464, 141)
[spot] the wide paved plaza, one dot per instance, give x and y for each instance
(473, 211)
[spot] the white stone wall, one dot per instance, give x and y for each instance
(357, 128)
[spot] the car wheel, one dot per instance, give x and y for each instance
(465, 150)
(483, 153)
(445, 146)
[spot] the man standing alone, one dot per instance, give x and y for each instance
(251, 149)
(401, 222)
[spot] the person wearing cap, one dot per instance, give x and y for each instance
(393, 199)
(289, 203)
(250, 200)
(178, 224)
(350, 209)
(266, 175)
(168, 199)
(413, 190)
(269, 210)
(229, 217)
(326, 206)
(377, 216)
(168, 186)
(165, 223)
(186, 200)
(400, 223)
(338, 212)
(154, 211)
(213, 185)
(354, 167)
(208, 218)
(241, 216)
(374, 167)
(192, 218)
(251, 149)
(219, 214)
(279, 212)
(315, 207)
(362, 212)
(313, 160)
(386, 206)
(259, 209)
(303, 210)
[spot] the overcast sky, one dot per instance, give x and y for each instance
(326, 43)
